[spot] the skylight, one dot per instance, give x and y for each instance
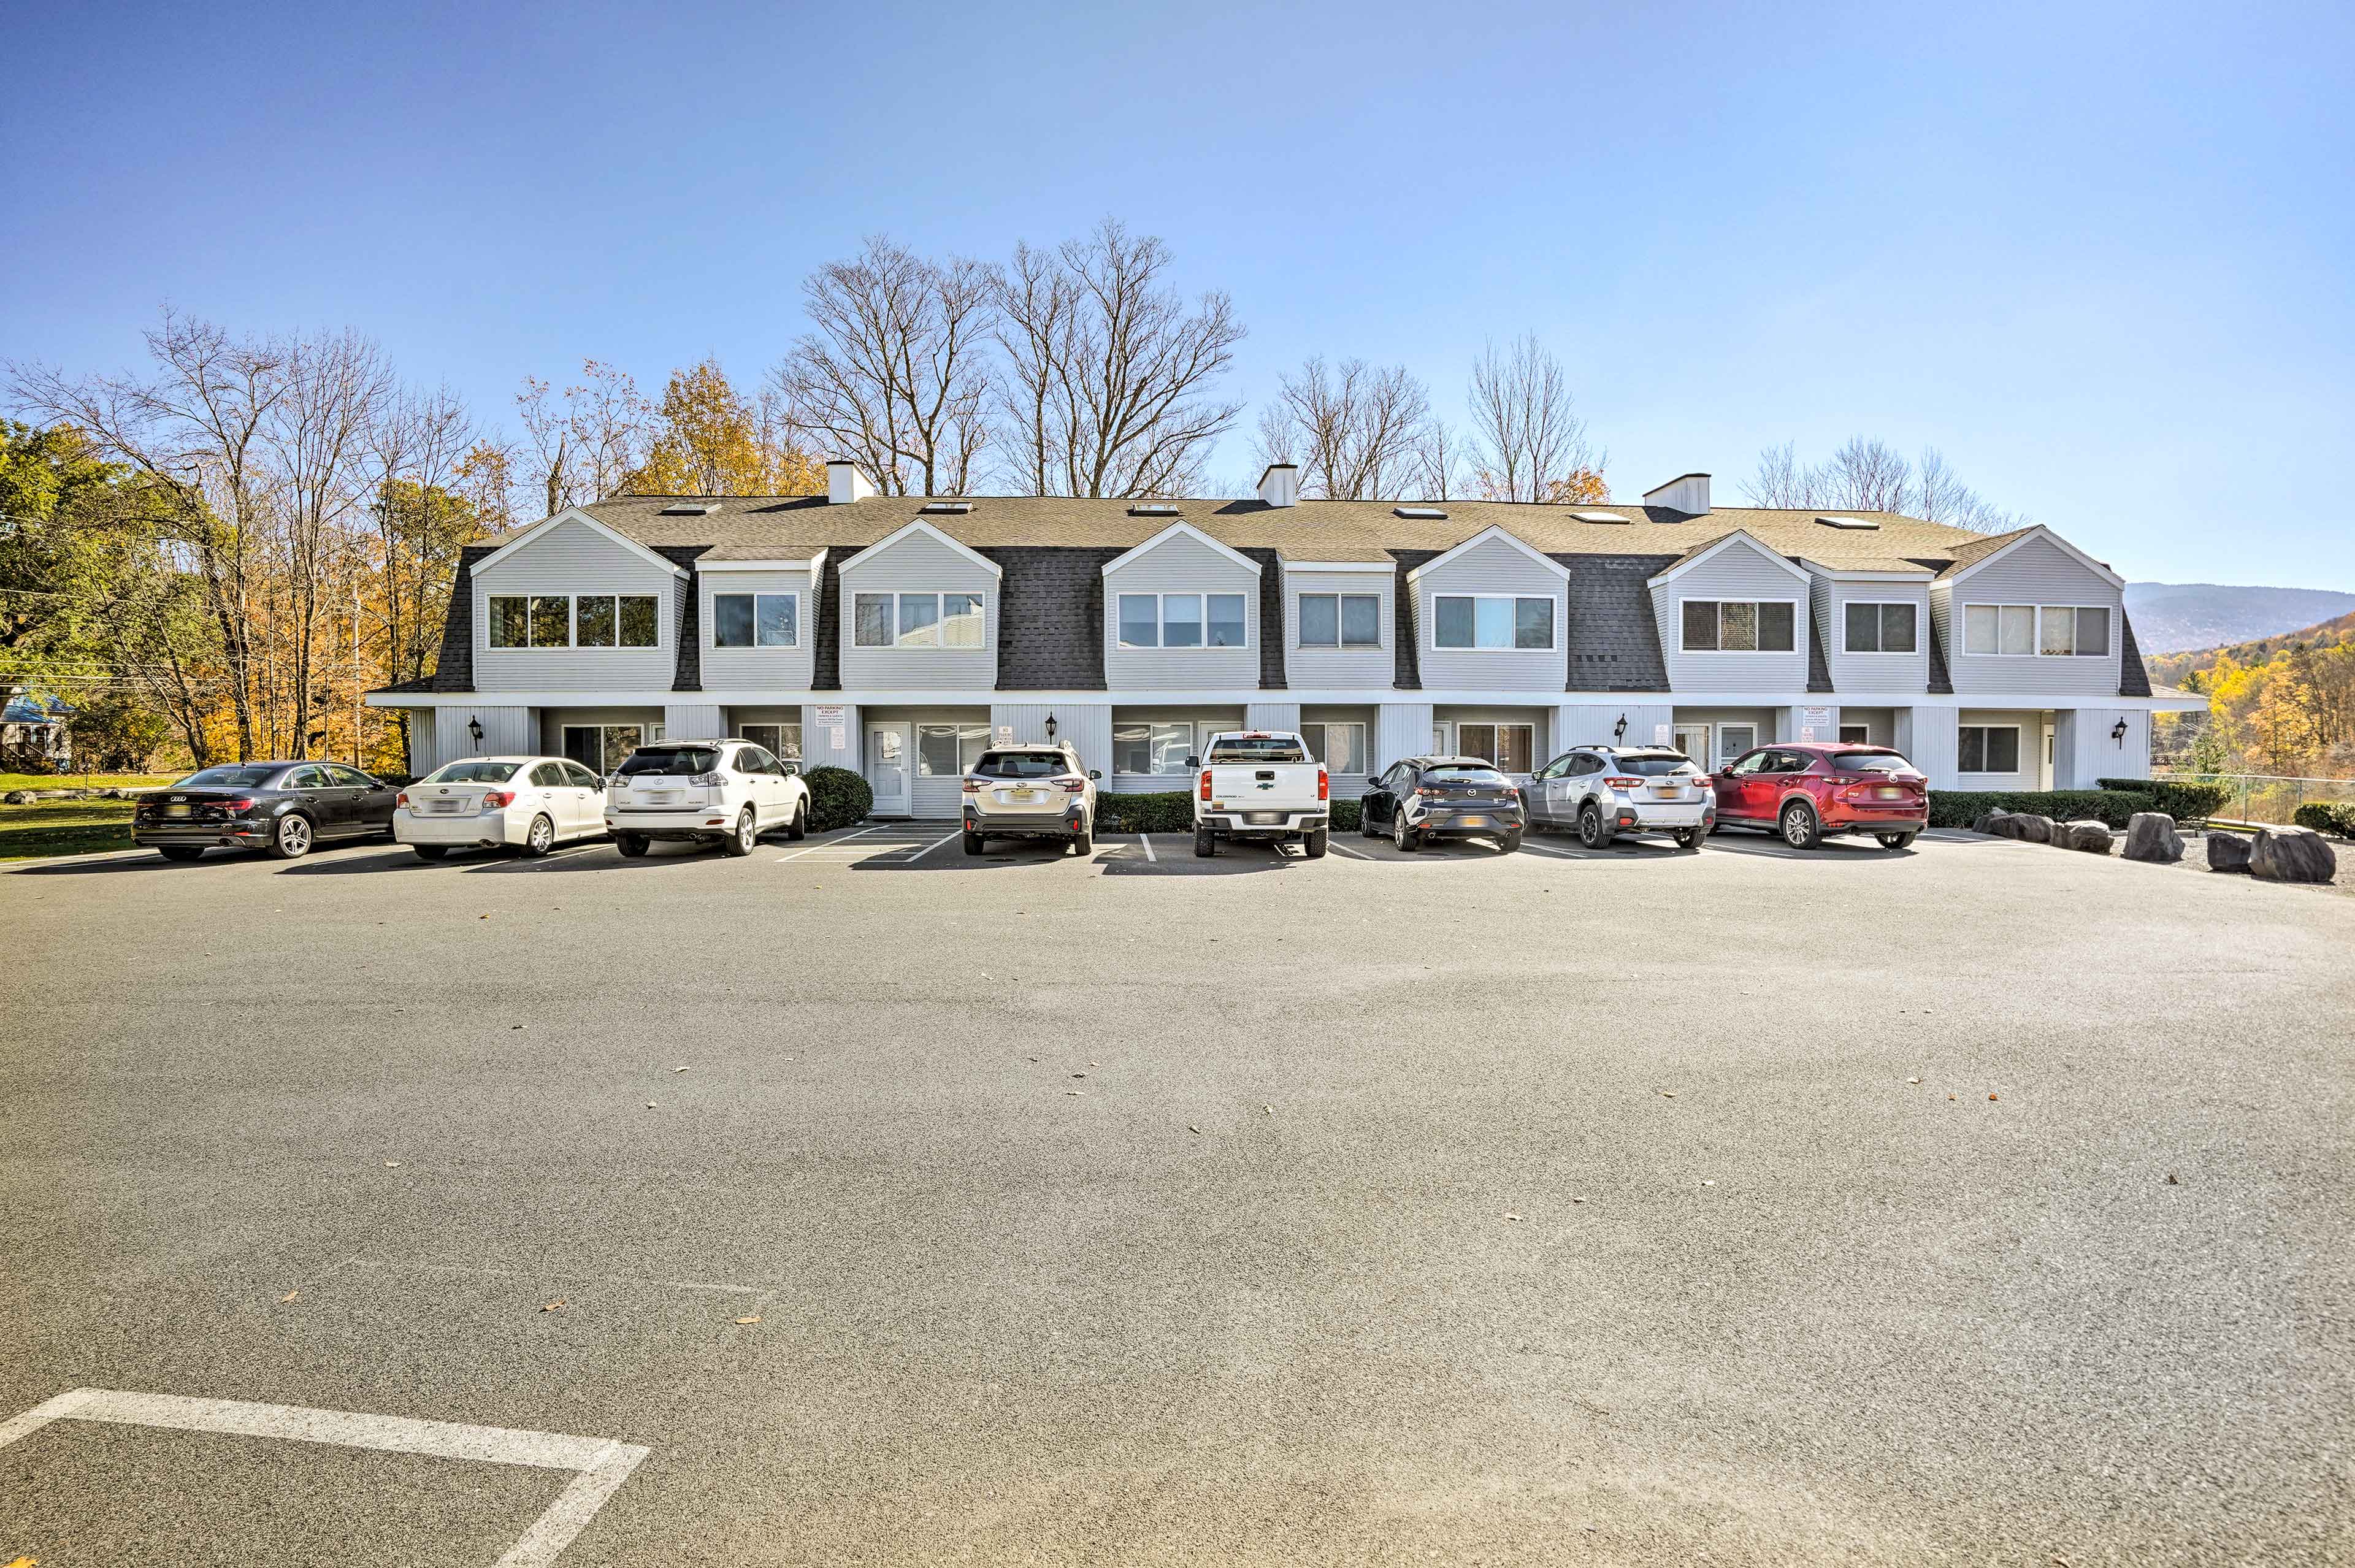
(1598, 517)
(1153, 509)
(691, 509)
(948, 506)
(1421, 511)
(1847, 522)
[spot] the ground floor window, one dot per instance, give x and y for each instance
(1510, 747)
(1160, 748)
(1856, 735)
(601, 747)
(1340, 747)
(778, 739)
(948, 750)
(1987, 749)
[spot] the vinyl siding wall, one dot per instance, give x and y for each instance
(1741, 572)
(1330, 666)
(575, 558)
(1927, 736)
(758, 669)
(1893, 673)
(1590, 724)
(2084, 751)
(818, 750)
(1401, 730)
(2038, 572)
(1181, 565)
(1087, 726)
(506, 731)
(917, 564)
(1493, 567)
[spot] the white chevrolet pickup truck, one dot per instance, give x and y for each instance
(1260, 784)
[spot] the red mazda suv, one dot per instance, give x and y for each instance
(1808, 793)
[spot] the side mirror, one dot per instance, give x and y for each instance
(1192, 763)
(790, 769)
(1093, 773)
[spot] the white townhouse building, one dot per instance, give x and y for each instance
(899, 635)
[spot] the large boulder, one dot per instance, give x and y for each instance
(2292, 855)
(2032, 829)
(1985, 823)
(2086, 834)
(2151, 835)
(2227, 852)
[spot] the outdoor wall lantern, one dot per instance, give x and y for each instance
(1619, 731)
(475, 728)
(1051, 726)
(2118, 733)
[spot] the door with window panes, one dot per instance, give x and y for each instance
(1508, 748)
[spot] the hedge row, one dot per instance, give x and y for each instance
(1174, 813)
(2181, 799)
(1960, 807)
(2327, 817)
(838, 797)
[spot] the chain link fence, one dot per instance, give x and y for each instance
(2265, 797)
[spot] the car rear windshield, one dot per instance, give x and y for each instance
(475, 771)
(1870, 763)
(1649, 767)
(1258, 748)
(1469, 777)
(246, 776)
(1020, 764)
(682, 762)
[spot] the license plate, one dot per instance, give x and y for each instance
(448, 807)
(662, 797)
(1262, 818)
(178, 810)
(1473, 821)
(1891, 793)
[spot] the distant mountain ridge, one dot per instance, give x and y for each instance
(2169, 669)
(2178, 617)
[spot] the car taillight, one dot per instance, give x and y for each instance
(499, 797)
(1069, 781)
(1623, 784)
(708, 780)
(1427, 792)
(1324, 784)
(1204, 792)
(401, 799)
(242, 803)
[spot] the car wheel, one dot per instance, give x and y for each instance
(1084, 840)
(798, 828)
(540, 838)
(1404, 838)
(1800, 830)
(431, 851)
(1894, 841)
(974, 844)
(744, 837)
(1366, 828)
(1206, 843)
(1313, 844)
(630, 844)
(1512, 843)
(1689, 838)
(182, 852)
(290, 838)
(1593, 831)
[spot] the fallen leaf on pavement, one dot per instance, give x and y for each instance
(1912, 1081)
(650, 1104)
(1709, 1184)
(1990, 1097)
(678, 1070)
(1195, 1131)
(2171, 1182)
(555, 1305)
(1074, 1093)
(392, 1165)
(1667, 1094)
(755, 1317)
(290, 1296)
(1512, 1216)
(1578, 1201)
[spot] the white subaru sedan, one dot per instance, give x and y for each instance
(531, 804)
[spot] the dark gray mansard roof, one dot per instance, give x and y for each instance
(1052, 551)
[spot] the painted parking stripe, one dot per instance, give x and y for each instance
(602, 1463)
(1146, 839)
(936, 843)
(829, 843)
(1345, 849)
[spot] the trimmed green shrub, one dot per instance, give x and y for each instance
(2327, 817)
(1174, 813)
(2180, 799)
(1961, 807)
(838, 797)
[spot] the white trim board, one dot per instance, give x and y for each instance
(2037, 531)
(1230, 697)
(1172, 532)
(1495, 531)
(600, 1464)
(1710, 551)
(574, 515)
(868, 553)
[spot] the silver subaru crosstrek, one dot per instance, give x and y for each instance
(1605, 791)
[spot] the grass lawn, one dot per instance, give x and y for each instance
(83, 781)
(63, 828)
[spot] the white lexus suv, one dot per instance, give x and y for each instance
(727, 793)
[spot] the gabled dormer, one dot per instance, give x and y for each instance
(2030, 613)
(1181, 611)
(1733, 616)
(571, 605)
(919, 610)
(1491, 613)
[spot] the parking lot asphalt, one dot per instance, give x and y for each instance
(1981, 1203)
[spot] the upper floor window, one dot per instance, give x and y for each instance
(1741, 626)
(1491, 621)
(1340, 620)
(1182, 620)
(917, 621)
(2025, 630)
(1882, 628)
(562, 621)
(756, 621)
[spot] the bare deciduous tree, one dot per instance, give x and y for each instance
(585, 447)
(1356, 430)
(893, 376)
(1869, 475)
(1106, 389)
(1527, 442)
(1442, 467)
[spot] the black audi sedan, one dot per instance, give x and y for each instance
(281, 808)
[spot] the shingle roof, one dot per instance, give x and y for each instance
(2134, 675)
(1819, 669)
(1050, 613)
(1977, 547)
(1614, 641)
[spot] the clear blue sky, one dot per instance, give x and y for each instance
(2098, 254)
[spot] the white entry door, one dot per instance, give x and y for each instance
(887, 749)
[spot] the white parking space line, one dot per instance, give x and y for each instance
(829, 844)
(1146, 839)
(1345, 849)
(1557, 854)
(603, 1462)
(936, 843)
